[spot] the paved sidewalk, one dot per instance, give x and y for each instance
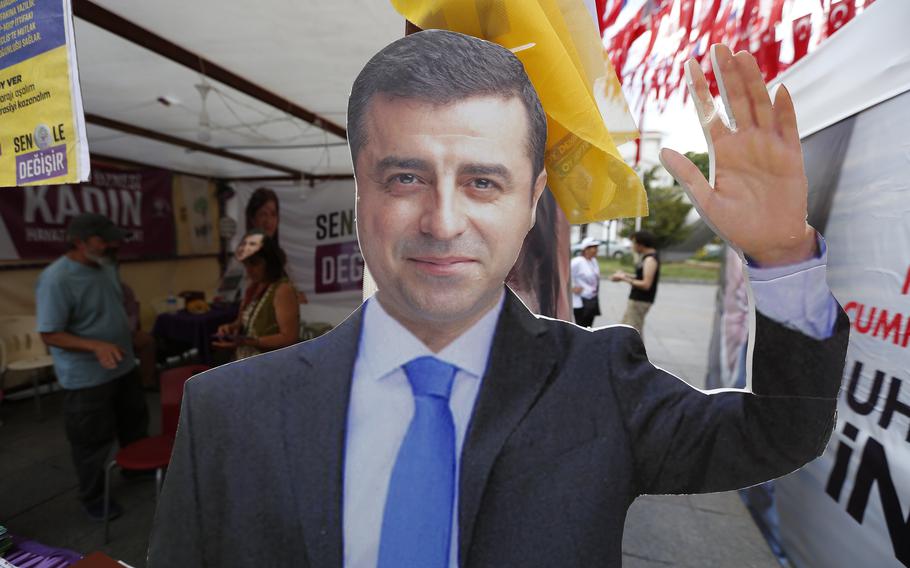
(683, 530)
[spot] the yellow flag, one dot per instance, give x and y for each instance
(587, 115)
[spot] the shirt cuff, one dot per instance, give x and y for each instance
(797, 295)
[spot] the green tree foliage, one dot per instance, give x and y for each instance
(700, 159)
(668, 206)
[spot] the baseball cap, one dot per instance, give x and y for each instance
(95, 225)
(589, 242)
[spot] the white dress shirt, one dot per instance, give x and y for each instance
(382, 404)
(797, 295)
(380, 412)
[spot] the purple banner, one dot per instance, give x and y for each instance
(43, 164)
(339, 267)
(35, 217)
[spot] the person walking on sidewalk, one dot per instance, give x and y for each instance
(586, 283)
(644, 283)
(81, 317)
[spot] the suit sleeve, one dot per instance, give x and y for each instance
(684, 440)
(177, 536)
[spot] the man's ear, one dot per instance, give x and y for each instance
(539, 185)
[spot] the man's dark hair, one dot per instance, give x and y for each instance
(272, 254)
(442, 67)
(645, 239)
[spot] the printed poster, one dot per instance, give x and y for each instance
(851, 506)
(42, 127)
(196, 216)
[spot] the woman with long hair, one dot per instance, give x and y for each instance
(269, 318)
(262, 212)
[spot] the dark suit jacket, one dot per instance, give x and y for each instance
(569, 427)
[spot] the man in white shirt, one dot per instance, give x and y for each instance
(442, 424)
(585, 283)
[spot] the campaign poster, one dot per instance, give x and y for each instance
(315, 227)
(33, 219)
(42, 127)
(851, 506)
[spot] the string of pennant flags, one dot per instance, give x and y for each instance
(649, 41)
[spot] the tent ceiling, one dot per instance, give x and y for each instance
(131, 148)
(306, 52)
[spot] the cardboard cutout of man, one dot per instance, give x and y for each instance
(444, 425)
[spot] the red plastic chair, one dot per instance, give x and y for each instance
(153, 452)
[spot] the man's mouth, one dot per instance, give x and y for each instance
(442, 265)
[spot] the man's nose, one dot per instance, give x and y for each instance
(444, 217)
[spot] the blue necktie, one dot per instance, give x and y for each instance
(417, 521)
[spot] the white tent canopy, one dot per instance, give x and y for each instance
(864, 63)
(307, 53)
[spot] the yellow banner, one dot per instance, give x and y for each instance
(42, 130)
(587, 115)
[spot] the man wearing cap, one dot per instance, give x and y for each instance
(81, 317)
(586, 283)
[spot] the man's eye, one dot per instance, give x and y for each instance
(405, 179)
(483, 183)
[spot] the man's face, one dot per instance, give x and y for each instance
(446, 196)
(97, 249)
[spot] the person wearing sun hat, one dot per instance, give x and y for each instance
(82, 319)
(269, 318)
(586, 283)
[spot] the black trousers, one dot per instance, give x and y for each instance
(590, 309)
(94, 417)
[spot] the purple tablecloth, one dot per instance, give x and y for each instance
(30, 554)
(196, 330)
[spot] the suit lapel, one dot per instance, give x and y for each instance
(315, 432)
(521, 360)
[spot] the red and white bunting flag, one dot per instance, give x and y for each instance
(742, 44)
(777, 13)
(802, 32)
(686, 13)
(600, 7)
(841, 12)
(750, 13)
(709, 19)
(756, 36)
(609, 18)
(619, 49)
(867, 3)
(773, 59)
(718, 31)
(768, 55)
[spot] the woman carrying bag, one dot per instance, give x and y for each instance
(586, 283)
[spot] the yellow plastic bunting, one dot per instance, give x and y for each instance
(587, 115)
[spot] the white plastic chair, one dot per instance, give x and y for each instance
(23, 353)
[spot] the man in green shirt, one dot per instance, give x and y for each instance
(82, 319)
